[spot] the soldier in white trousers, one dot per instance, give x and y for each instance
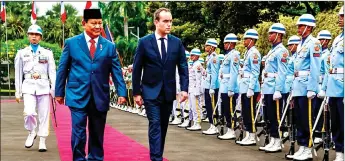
(34, 81)
(195, 90)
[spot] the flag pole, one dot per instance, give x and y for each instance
(63, 34)
(8, 63)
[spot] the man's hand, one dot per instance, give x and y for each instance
(184, 96)
(138, 100)
(18, 100)
(60, 100)
(121, 100)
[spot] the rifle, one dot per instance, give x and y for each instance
(280, 128)
(264, 131)
(291, 127)
(325, 131)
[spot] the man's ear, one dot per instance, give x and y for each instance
(83, 22)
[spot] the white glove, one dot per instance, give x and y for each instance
(230, 93)
(277, 95)
(211, 92)
(250, 93)
(18, 95)
(311, 94)
(52, 93)
(321, 94)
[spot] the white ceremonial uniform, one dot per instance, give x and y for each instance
(35, 92)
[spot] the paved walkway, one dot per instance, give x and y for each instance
(181, 145)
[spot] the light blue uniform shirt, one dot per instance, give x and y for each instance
(308, 61)
(251, 71)
(335, 83)
(229, 72)
(212, 71)
(275, 69)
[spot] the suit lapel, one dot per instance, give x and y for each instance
(169, 48)
(100, 46)
(155, 46)
(83, 45)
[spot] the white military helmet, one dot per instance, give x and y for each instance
(324, 34)
(341, 11)
(187, 54)
(307, 19)
(294, 40)
(211, 42)
(221, 56)
(201, 60)
(230, 38)
(195, 51)
(35, 29)
(278, 28)
(252, 34)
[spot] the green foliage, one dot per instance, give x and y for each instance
(15, 45)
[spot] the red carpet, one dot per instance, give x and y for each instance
(117, 146)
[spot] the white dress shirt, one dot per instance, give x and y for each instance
(159, 42)
(88, 38)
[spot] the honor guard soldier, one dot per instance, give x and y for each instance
(35, 75)
(185, 110)
(229, 86)
(305, 85)
(335, 90)
(249, 85)
(195, 90)
(324, 37)
(293, 42)
(273, 84)
(176, 104)
(211, 85)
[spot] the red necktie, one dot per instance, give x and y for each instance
(92, 48)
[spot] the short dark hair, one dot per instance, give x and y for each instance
(158, 11)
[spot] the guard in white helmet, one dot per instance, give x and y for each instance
(292, 46)
(195, 90)
(228, 84)
(335, 90)
(305, 85)
(324, 37)
(249, 86)
(35, 75)
(211, 85)
(202, 97)
(274, 77)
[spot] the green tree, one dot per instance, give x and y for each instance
(52, 25)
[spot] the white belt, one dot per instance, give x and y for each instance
(245, 75)
(301, 73)
(271, 75)
(31, 76)
(337, 71)
(226, 75)
(321, 79)
(289, 76)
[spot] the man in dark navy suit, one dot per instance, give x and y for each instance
(86, 62)
(154, 83)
